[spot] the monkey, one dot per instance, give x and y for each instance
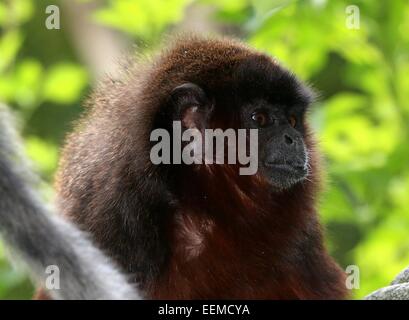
(42, 239)
(202, 231)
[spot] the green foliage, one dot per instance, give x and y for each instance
(64, 83)
(361, 116)
(361, 121)
(142, 18)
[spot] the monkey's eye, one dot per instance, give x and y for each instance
(293, 121)
(260, 117)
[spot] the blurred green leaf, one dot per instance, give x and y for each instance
(10, 43)
(141, 18)
(64, 83)
(44, 154)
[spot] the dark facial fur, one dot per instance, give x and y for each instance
(272, 95)
(263, 96)
(202, 231)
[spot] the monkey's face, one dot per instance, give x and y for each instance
(272, 100)
(260, 95)
(282, 152)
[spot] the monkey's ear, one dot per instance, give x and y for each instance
(191, 105)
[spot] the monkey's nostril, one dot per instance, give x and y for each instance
(288, 140)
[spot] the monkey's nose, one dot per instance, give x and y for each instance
(288, 140)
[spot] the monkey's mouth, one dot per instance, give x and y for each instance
(285, 174)
(290, 167)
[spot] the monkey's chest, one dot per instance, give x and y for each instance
(205, 263)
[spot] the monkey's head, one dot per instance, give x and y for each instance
(212, 84)
(273, 101)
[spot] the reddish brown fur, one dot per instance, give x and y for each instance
(247, 253)
(226, 236)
